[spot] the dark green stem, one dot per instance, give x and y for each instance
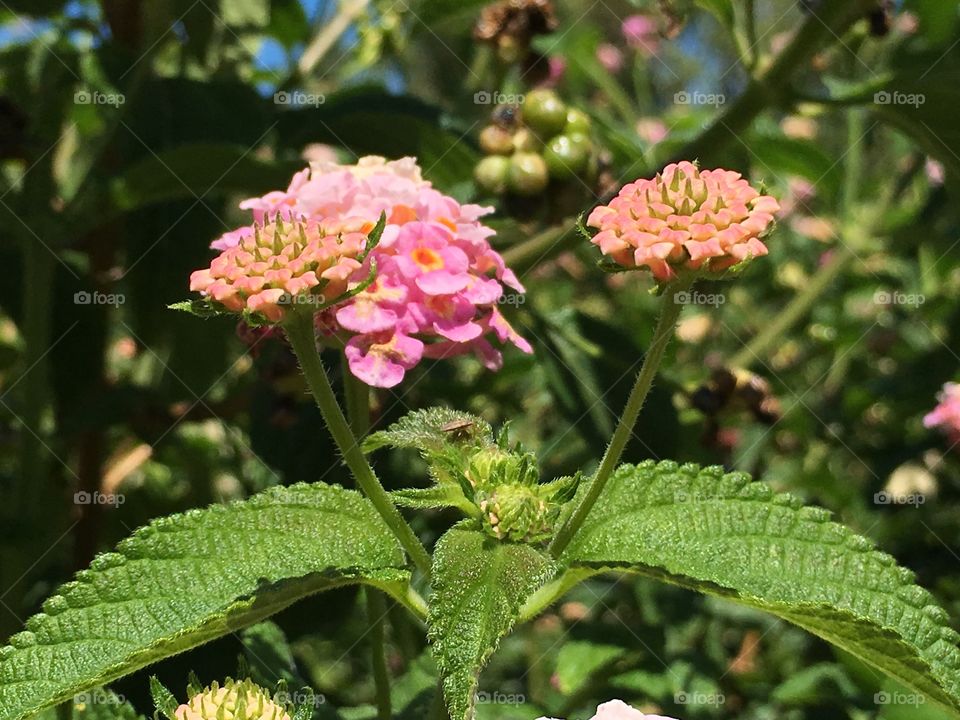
(357, 396)
(299, 329)
(377, 613)
(669, 313)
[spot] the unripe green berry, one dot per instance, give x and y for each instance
(577, 122)
(495, 140)
(491, 173)
(568, 155)
(528, 174)
(524, 140)
(545, 113)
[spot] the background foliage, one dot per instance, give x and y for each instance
(124, 401)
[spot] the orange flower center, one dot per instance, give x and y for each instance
(427, 259)
(402, 214)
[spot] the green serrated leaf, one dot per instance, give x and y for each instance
(725, 535)
(163, 700)
(201, 308)
(437, 496)
(479, 585)
(186, 579)
(432, 430)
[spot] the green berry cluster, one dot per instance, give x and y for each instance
(527, 146)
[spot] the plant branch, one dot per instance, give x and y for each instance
(376, 614)
(299, 329)
(669, 312)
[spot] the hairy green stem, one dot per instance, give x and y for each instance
(357, 397)
(669, 312)
(377, 613)
(299, 329)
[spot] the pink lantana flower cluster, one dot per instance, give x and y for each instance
(946, 415)
(684, 219)
(438, 281)
(280, 264)
(619, 710)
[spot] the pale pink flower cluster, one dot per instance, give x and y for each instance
(279, 263)
(946, 415)
(438, 281)
(619, 710)
(685, 218)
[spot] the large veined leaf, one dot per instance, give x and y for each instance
(479, 585)
(186, 579)
(728, 536)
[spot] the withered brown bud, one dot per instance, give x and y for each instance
(515, 22)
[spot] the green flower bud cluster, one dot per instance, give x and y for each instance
(513, 504)
(530, 145)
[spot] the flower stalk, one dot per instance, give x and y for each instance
(300, 332)
(669, 313)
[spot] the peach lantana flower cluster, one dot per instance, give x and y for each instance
(438, 282)
(946, 415)
(279, 264)
(684, 219)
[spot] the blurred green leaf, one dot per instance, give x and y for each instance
(369, 121)
(921, 99)
(199, 170)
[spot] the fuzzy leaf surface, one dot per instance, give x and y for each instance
(187, 579)
(479, 585)
(728, 536)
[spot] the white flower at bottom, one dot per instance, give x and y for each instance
(619, 710)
